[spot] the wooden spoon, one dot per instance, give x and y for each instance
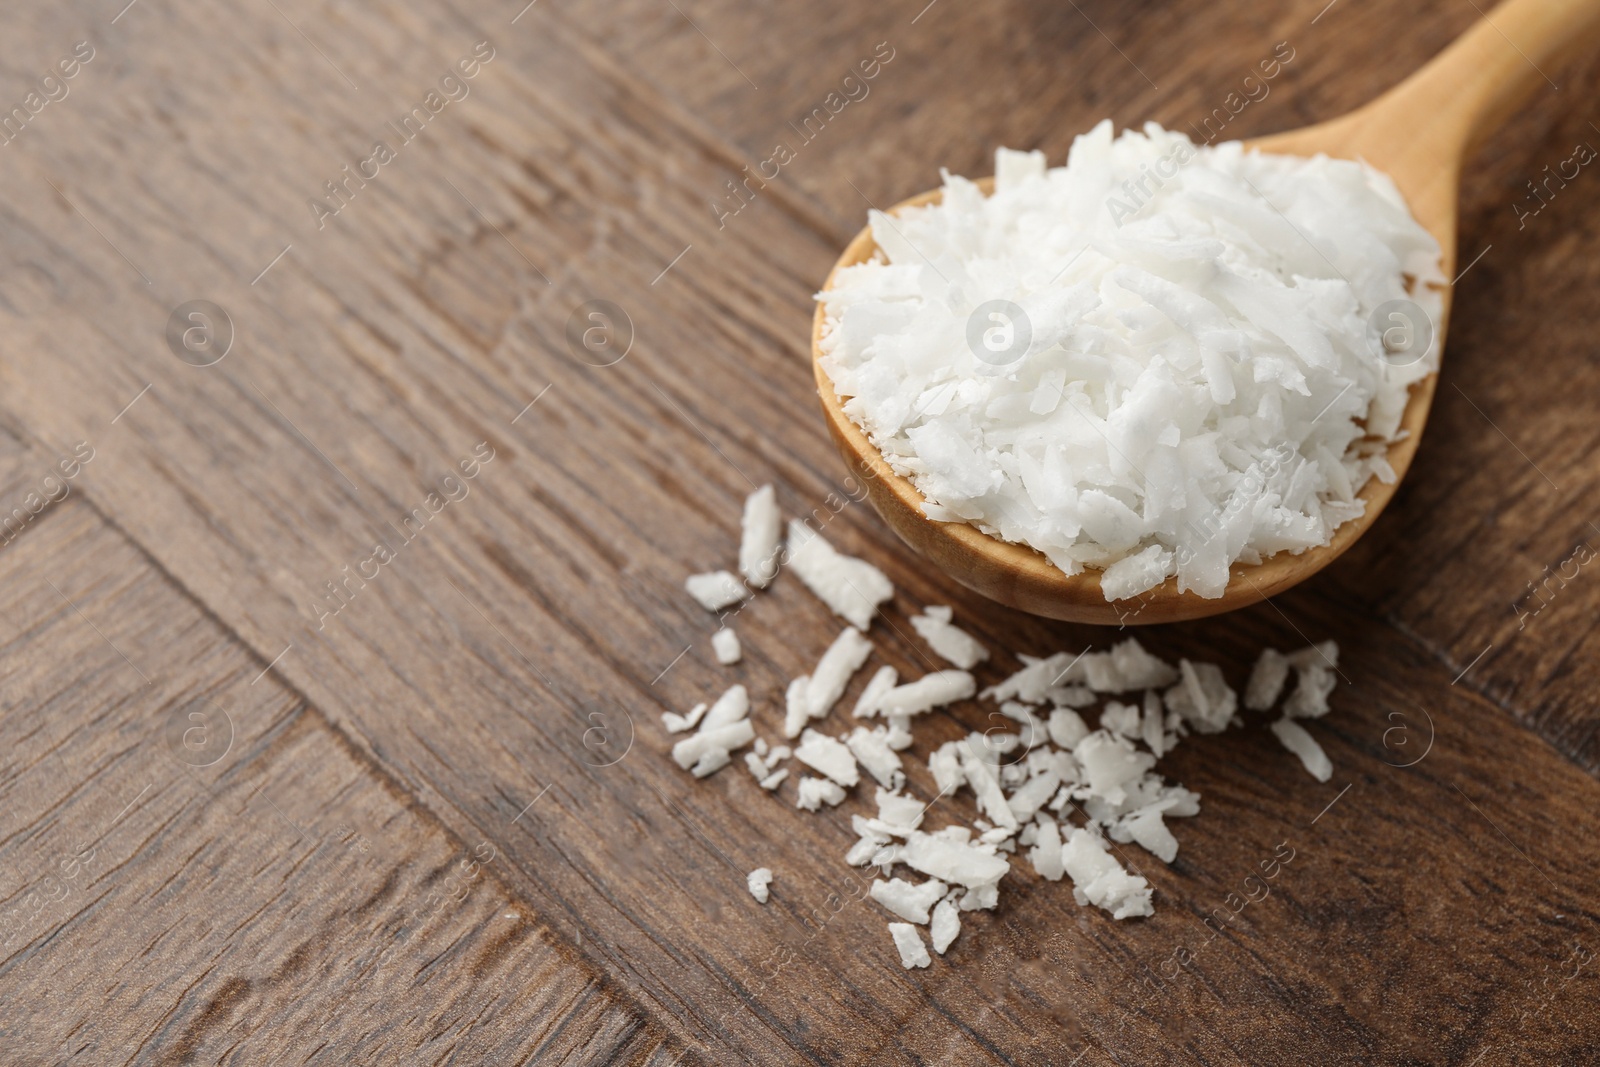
(1417, 132)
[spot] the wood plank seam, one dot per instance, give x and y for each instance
(378, 771)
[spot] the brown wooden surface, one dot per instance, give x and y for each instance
(230, 914)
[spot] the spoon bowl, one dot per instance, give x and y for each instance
(1418, 133)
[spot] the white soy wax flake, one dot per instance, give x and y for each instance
(677, 724)
(813, 793)
(948, 640)
(907, 900)
(829, 756)
(725, 644)
(852, 588)
(731, 706)
(716, 590)
(1298, 739)
(761, 531)
(1098, 879)
(946, 925)
(913, 953)
(871, 749)
(873, 694)
(834, 671)
(928, 692)
(1266, 680)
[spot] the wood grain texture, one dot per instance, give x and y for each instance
(519, 646)
(198, 869)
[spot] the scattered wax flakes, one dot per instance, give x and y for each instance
(1066, 727)
(813, 793)
(880, 685)
(725, 644)
(1046, 852)
(1098, 879)
(897, 810)
(1025, 781)
(797, 706)
(710, 761)
(762, 527)
(1323, 653)
(1124, 719)
(834, 671)
(1151, 832)
(1266, 680)
(1033, 795)
(1202, 697)
(953, 861)
(731, 706)
(985, 782)
(913, 953)
(833, 758)
(1033, 682)
(1298, 740)
(1312, 685)
(950, 641)
(910, 902)
(725, 739)
(928, 692)
(715, 590)
(677, 724)
(852, 588)
(1125, 667)
(1110, 762)
(899, 737)
(871, 749)
(945, 926)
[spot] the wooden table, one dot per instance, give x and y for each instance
(268, 795)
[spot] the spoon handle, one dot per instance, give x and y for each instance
(1474, 85)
